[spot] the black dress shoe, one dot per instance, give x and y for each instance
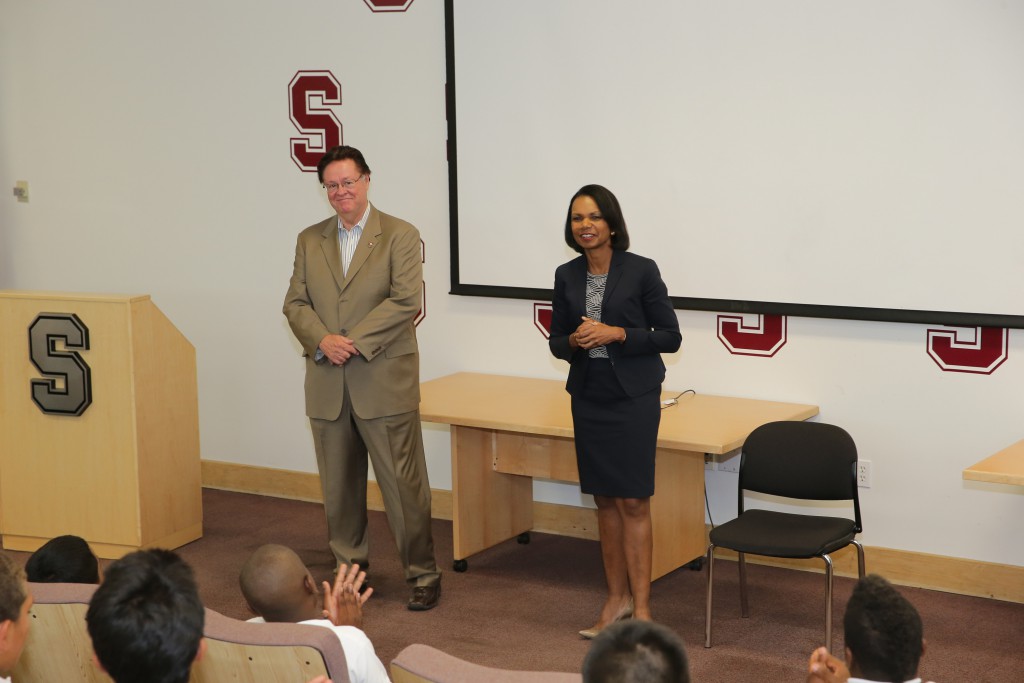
(424, 597)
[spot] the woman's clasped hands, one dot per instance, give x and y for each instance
(591, 333)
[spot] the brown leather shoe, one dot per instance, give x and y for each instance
(424, 597)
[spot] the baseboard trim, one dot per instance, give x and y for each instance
(903, 567)
(267, 481)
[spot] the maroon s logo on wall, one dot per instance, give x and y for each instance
(422, 313)
(388, 5)
(308, 94)
(542, 319)
(763, 338)
(978, 350)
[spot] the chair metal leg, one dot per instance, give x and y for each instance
(860, 559)
(828, 602)
(744, 607)
(707, 607)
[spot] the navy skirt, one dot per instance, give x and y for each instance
(616, 435)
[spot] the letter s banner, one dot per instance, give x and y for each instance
(76, 394)
(763, 338)
(542, 319)
(318, 123)
(388, 5)
(954, 350)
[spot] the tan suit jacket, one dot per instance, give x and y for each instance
(374, 305)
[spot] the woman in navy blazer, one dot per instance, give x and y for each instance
(611, 320)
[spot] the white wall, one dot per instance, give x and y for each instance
(155, 141)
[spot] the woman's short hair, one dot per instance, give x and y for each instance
(610, 210)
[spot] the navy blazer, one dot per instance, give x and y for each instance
(636, 299)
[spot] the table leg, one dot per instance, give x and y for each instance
(488, 507)
(677, 510)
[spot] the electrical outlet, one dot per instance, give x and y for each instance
(21, 190)
(729, 462)
(709, 462)
(864, 474)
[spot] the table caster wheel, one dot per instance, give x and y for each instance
(695, 565)
(460, 565)
(523, 538)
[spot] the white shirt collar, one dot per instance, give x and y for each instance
(360, 224)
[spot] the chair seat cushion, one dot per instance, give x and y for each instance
(781, 534)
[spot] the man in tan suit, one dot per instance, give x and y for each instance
(354, 292)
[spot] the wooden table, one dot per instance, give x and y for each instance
(1005, 467)
(507, 430)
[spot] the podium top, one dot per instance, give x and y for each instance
(73, 296)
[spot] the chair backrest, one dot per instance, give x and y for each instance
(58, 647)
(803, 460)
(424, 664)
(242, 651)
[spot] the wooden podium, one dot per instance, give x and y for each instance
(99, 424)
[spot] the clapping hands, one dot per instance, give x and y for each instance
(824, 668)
(343, 603)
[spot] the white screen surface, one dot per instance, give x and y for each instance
(848, 155)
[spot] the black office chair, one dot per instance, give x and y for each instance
(796, 460)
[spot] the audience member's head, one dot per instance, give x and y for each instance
(636, 652)
(883, 632)
(278, 586)
(15, 602)
(146, 619)
(65, 559)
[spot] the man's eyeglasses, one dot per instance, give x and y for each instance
(346, 184)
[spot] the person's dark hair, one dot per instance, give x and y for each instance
(610, 210)
(146, 618)
(12, 589)
(883, 631)
(636, 652)
(65, 559)
(340, 153)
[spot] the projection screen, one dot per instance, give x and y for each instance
(854, 160)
